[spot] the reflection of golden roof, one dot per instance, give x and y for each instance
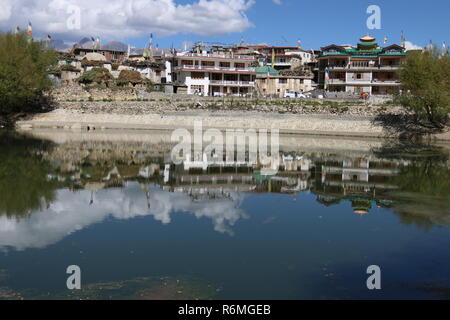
(361, 211)
(367, 38)
(94, 186)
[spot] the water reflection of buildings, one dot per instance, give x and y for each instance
(88, 181)
(361, 179)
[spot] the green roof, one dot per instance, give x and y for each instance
(266, 70)
(393, 54)
(364, 56)
(361, 53)
(367, 43)
(334, 53)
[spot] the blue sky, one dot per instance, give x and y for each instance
(275, 22)
(319, 23)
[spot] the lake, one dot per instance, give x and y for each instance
(140, 227)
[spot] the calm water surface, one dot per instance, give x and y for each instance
(137, 228)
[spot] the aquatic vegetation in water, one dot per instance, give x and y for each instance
(145, 288)
(8, 294)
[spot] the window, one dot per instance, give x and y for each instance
(197, 75)
(208, 63)
(282, 81)
(198, 89)
(187, 62)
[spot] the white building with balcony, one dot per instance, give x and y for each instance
(214, 74)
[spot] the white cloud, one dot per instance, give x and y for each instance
(115, 19)
(277, 1)
(5, 12)
(410, 46)
(71, 212)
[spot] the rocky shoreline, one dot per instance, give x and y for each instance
(167, 106)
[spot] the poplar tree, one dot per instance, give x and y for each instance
(24, 73)
(425, 84)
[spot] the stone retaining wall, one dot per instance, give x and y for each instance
(75, 92)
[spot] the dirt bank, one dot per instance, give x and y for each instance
(353, 125)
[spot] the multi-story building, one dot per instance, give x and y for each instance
(365, 69)
(277, 85)
(214, 73)
(284, 58)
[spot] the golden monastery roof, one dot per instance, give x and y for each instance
(367, 38)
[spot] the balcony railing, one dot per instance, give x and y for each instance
(282, 63)
(215, 68)
(390, 67)
(382, 81)
(335, 81)
(363, 81)
(232, 83)
(218, 56)
(374, 67)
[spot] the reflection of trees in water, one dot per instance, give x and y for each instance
(24, 185)
(424, 184)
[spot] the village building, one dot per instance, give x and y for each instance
(115, 56)
(65, 58)
(273, 83)
(69, 74)
(95, 60)
(213, 73)
(69, 68)
(150, 62)
(363, 70)
(154, 71)
(278, 85)
(283, 58)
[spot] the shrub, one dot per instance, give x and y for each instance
(129, 76)
(95, 75)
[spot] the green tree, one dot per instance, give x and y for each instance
(24, 70)
(425, 79)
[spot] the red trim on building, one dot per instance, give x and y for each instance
(213, 70)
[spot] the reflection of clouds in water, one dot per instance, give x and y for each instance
(71, 212)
